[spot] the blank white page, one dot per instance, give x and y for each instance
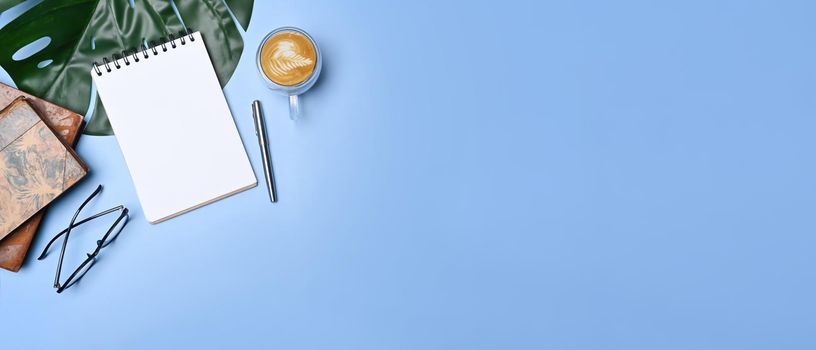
(174, 127)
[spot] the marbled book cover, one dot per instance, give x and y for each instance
(66, 124)
(35, 165)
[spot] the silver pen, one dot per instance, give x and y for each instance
(260, 130)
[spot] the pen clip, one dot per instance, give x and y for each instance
(255, 116)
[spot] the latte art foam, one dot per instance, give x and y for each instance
(288, 58)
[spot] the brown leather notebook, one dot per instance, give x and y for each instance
(66, 124)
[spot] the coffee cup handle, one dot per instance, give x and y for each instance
(294, 107)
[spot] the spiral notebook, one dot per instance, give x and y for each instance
(174, 127)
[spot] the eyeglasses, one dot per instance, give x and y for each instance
(107, 238)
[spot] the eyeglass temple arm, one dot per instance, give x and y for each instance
(58, 235)
(99, 245)
(68, 233)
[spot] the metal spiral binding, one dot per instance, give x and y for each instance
(144, 49)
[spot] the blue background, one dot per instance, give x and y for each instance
(480, 175)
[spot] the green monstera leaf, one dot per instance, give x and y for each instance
(7, 4)
(84, 31)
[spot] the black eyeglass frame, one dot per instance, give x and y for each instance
(106, 239)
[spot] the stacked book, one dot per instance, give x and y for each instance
(37, 164)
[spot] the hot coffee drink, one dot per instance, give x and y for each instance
(289, 62)
(288, 58)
